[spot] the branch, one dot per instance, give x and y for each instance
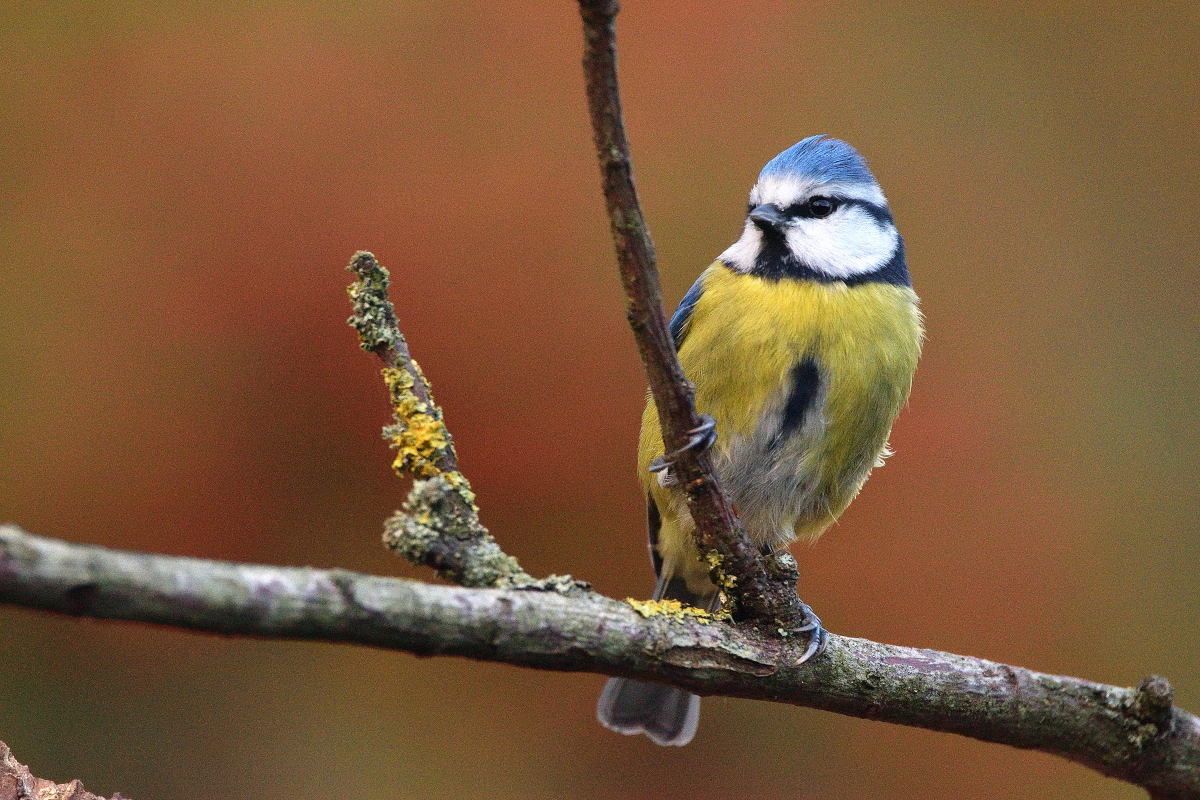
(16, 783)
(439, 525)
(1133, 734)
(426, 446)
(762, 593)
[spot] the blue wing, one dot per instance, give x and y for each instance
(679, 324)
(683, 314)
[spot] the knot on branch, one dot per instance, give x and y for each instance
(782, 568)
(439, 527)
(1153, 705)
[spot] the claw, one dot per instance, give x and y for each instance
(815, 646)
(818, 638)
(703, 436)
(812, 621)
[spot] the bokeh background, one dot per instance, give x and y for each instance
(183, 184)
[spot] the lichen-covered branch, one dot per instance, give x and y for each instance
(1133, 734)
(762, 592)
(17, 783)
(437, 529)
(425, 445)
(439, 525)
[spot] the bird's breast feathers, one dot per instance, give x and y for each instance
(804, 379)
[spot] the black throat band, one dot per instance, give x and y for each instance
(776, 261)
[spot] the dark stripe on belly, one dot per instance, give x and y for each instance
(806, 379)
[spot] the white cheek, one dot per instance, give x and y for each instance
(846, 244)
(743, 253)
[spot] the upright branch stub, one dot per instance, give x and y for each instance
(420, 435)
(761, 592)
(439, 525)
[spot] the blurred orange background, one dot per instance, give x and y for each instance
(183, 184)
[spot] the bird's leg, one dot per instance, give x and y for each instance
(703, 436)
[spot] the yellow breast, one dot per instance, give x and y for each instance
(745, 336)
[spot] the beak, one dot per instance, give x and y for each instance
(767, 217)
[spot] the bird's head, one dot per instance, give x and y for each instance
(817, 212)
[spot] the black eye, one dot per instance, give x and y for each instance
(821, 207)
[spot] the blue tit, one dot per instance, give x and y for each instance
(801, 339)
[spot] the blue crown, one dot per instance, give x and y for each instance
(822, 159)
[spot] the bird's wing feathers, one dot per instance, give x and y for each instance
(670, 585)
(679, 325)
(683, 314)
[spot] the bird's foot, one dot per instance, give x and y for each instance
(817, 636)
(702, 437)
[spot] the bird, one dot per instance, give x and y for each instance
(801, 341)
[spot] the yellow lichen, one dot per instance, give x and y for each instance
(420, 437)
(462, 486)
(421, 377)
(717, 573)
(671, 609)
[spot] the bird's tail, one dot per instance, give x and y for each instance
(668, 716)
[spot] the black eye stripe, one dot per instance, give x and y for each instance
(804, 210)
(881, 214)
(817, 207)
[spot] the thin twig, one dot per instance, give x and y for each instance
(761, 594)
(439, 525)
(1133, 734)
